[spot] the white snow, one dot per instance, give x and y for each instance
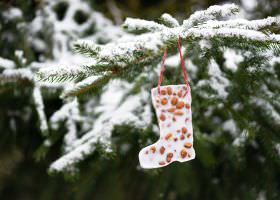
(113, 110)
(23, 73)
(232, 59)
(216, 81)
(38, 101)
(116, 105)
(231, 127)
(12, 14)
(211, 13)
(167, 18)
(241, 139)
(267, 108)
(6, 64)
(249, 4)
(277, 147)
(132, 24)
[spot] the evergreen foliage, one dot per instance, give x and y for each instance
(93, 106)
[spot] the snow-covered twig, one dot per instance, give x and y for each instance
(148, 47)
(211, 13)
(39, 105)
(6, 64)
(168, 20)
(140, 25)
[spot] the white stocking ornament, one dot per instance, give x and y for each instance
(173, 109)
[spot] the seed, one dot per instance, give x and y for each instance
(163, 92)
(184, 130)
(180, 105)
(188, 145)
(178, 131)
(147, 152)
(189, 135)
(169, 157)
(182, 137)
(183, 153)
(180, 93)
(161, 163)
(168, 136)
(161, 150)
(187, 106)
(175, 139)
(174, 101)
(153, 149)
(171, 109)
(169, 90)
(174, 119)
(178, 113)
(162, 117)
(164, 101)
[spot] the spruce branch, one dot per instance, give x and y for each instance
(39, 105)
(86, 85)
(6, 64)
(126, 52)
(86, 48)
(141, 26)
(213, 12)
(168, 20)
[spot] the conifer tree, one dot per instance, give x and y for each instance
(104, 89)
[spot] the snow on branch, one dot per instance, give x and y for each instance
(6, 64)
(237, 33)
(39, 105)
(65, 73)
(140, 25)
(147, 48)
(168, 20)
(83, 86)
(14, 75)
(86, 48)
(111, 113)
(243, 23)
(211, 13)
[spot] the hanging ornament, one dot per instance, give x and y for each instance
(173, 109)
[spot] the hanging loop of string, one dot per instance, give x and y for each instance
(185, 76)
